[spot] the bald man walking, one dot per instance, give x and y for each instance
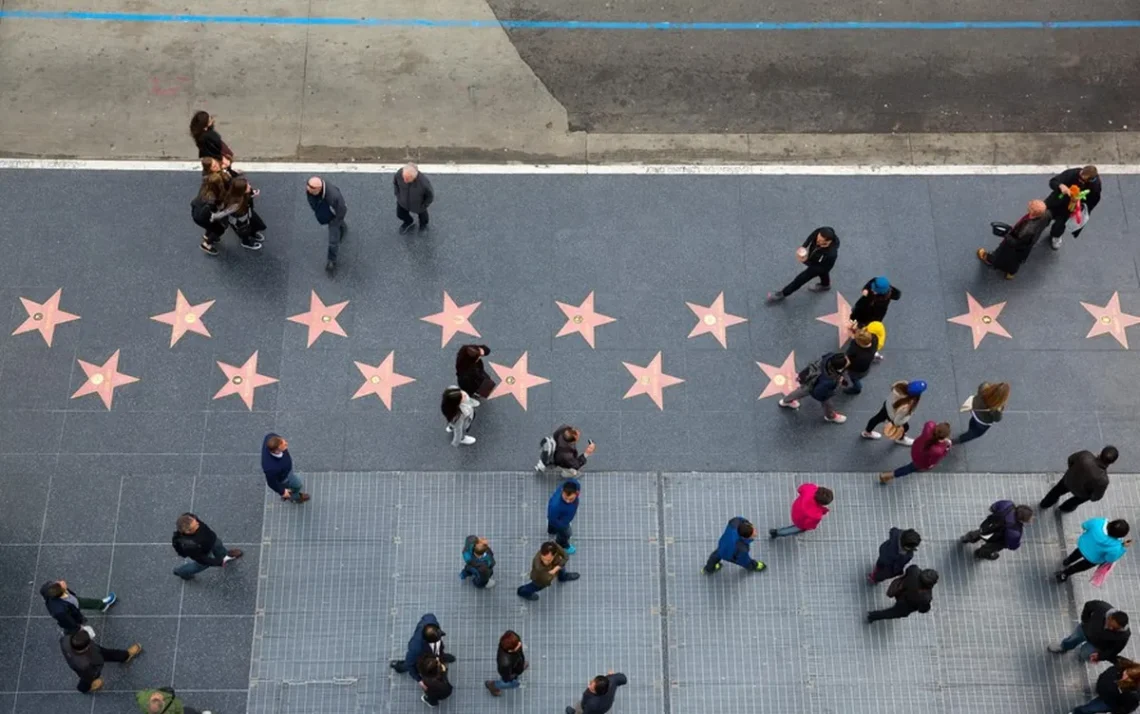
(330, 209)
(413, 195)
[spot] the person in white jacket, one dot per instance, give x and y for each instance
(459, 410)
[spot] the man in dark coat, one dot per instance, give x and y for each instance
(878, 294)
(1101, 634)
(278, 467)
(818, 254)
(1086, 478)
(1117, 690)
(87, 658)
(734, 546)
(1061, 190)
(894, 554)
(66, 607)
(427, 639)
(196, 541)
(1016, 245)
(413, 195)
(330, 209)
(599, 695)
(913, 592)
(1002, 529)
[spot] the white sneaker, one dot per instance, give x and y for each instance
(905, 441)
(474, 402)
(226, 560)
(871, 435)
(540, 467)
(447, 428)
(1055, 243)
(878, 356)
(1055, 649)
(794, 404)
(490, 584)
(468, 440)
(837, 419)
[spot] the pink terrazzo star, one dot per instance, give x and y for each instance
(1110, 320)
(840, 319)
(381, 380)
(714, 320)
(454, 318)
(782, 380)
(44, 317)
(582, 319)
(650, 381)
(320, 318)
(981, 320)
(516, 380)
(185, 318)
(243, 380)
(102, 379)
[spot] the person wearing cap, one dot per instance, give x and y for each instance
(873, 303)
(818, 254)
(897, 409)
(1001, 529)
(808, 510)
(928, 449)
(913, 592)
(330, 209)
(427, 639)
(895, 554)
(1018, 242)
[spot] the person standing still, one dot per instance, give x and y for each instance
(330, 209)
(511, 663)
(278, 467)
(1086, 478)
(818, 254)
(195, 541)
(413, 195)
(599, 695)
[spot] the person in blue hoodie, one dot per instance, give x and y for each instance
(1103, 541)
(895, 554)
(820, 380)
(478, 562)
(733, 546)
(1002, 529)
(278, 467)
(427, 639)
(560, 511)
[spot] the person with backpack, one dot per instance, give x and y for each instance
(818, 254)
(202, 547)
(927, 450)
(912, 592)
(478, 562)
(872, 305)
(1086, 479)
(561, 450)
(1002, 529)
(820, 380)
(510, 662)
(560, 512)
(236, 208)
(861, 352)
(1102, 542)
(734, 546)
(895, 554)
(897, 409)
(163, 701)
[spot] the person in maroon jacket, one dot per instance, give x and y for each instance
(925, 453)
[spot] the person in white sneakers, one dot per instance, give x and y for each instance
(897, 410)
(820, 380)
(458, 409)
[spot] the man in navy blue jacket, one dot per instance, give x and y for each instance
(560, 511)
(278, 467)
(895, 554)
(427, 638)
(733, 546)
(1001, 529)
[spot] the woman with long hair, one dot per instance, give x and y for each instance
(208, 140)
(470, 372)
(1117, 689)
(928, 449)
(202, 208)
(985, 407)
(897, 409)
(237, 208)
(459, 410)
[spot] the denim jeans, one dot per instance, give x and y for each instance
(293, 483)
(512, 684)
(1075, 639)
(973, 431)
(788, 531)
(905, 470)
(477, 578)
(1096, 706)
(561, 535)
(192, 567)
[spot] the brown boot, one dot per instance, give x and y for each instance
(96, 685)
(984, 256)
(234, 553)
(495, 691)
(133, 651)
(304, 497)
(886, 477)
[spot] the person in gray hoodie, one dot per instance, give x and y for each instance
(413, 195)
(458, 409)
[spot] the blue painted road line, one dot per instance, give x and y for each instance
(161, 18)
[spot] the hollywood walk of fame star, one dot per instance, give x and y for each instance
(454, 318)
(714, 320)
(650, 381)
(1110, 320)
(102, 379)
(582, 319)
(381, 380)
(981, 320)
(320, 318)
(516, 380)
(185, 318)
(44, 317)
(243, 380)
(782, 380)
(840, 319)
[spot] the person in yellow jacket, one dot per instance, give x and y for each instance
(163, 701)
(863, 351)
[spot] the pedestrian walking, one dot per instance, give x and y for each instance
(427, 639)
(1101, 634)
(67, 607)
(433, 680)
(549, 564)
(895, 553)
(87, 658)
(1017, 241)
(897, 409)
(470, 374)
(734, 546)
(202, 547)
(818, 254)
(413, 195)
(861, 351)
(985, 407)
(872, 305)
(207, 138)
(561, 451)
(330, 209)
(599, 695)
(278, 467)
(1073, 193)
(459, 410)
(236, 208)
(202, 208)
(478, 562)
(163, 701)
(1002, 529)
(820, 380)
(1086, 479)
(560, 511)
(927, 450)
(808, 509)
(1102, 542)
(511, 663)
(1117, 690)
(912, 592)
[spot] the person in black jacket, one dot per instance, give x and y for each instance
(1017, 244)
(566, 454)
(1101, 634)
(1061, 190)
(66, 607)
(599, 695)
(1086, 478)
(86, 658)
(818, 254)
(1117, 690)
(204, 205)
(413, 195)
(872, 305)
(330, 209)
(433, 680)
(470, 374)
(1002, 529)
(511, 663)
(427, 639)
(913, 592)
(195, 540)
(894, 554)
(207, 139)
(861, 351)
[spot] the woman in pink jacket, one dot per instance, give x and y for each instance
(808, 510)
(925, 453)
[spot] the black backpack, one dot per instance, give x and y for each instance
(808, 375)
(200, 212)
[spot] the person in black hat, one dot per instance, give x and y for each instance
(86, 658)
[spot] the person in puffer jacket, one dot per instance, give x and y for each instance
(478, 562)
(1103, 541)
(733, 546)
(1002, 529)
(895, 554)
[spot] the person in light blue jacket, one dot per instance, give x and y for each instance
(1102, 542)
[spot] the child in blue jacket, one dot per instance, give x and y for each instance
(733, 546)
(560, 511)
(478, 562)
(1103, 541)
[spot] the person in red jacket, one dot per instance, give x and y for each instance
(808, 510)
(925, 453)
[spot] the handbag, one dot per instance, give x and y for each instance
(893, 431)
(1101, 574)
(486, 387)
(896, 586)
(1001, 230)
(968, 405)
(1078, 220)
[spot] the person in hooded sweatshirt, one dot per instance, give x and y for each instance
(820, 380)
(872, 305)
(278, 467)
(895, 554)
(927, 450)
(86, 658)
(818, 254)
(1117, 690)
(510, 662)
(1061, 194)
(734, 546)
(478, 562)
(1102, 542)
(433, 680)
(427, 639)
(1086, 478)
(67, 607)
(808, 510)
(913, 592)
(1101, 634)
(1002, 529)
(560, 512)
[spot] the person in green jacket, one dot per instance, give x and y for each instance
(163, 701)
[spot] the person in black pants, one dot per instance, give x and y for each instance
(913, 592)
(1086, 478)
(818, 254)
(895, 554)
(1001, 530)
(1059, 199)
(87, 658)
(434, 682)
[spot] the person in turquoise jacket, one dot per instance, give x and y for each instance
(1103, 541)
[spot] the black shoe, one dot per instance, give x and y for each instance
(817, 288)
(449, 658)
(397, 664)
(529, 596)
(330, 267)
(971, 537)
(423, 228)
(259, 236)
(985, 556)
(424, 699)
(406, 228)
(251, 245)
(569, 577)
(1041, 506)
(773, 534)
(208, 247)
(1066, 508)
(569, 710)
(1060, 575)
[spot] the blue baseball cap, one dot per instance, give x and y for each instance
(880, 285)
(915, 388)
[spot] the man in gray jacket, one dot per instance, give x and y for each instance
(413, 195)
(330, 209)
(1086, 478)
